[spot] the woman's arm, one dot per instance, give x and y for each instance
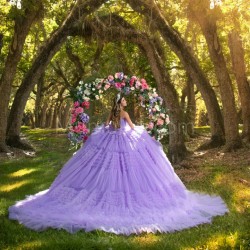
(126, 116)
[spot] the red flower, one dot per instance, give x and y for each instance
(85, 104)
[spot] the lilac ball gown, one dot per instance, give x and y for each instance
(120, 181)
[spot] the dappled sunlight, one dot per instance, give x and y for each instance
(16, 185)
(218, 241)
(22, 172)
(240, 189)
(46, 131)
(146, 240)
(29, 245)
(219, 179)
(242, 197)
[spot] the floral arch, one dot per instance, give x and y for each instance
(147, 96)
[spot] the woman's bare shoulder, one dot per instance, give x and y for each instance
(124, 114)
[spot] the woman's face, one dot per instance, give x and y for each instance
(123, 102)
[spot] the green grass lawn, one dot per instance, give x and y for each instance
(24, 175)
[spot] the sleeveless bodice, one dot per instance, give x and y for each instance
(123, 123)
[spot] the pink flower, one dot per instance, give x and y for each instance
(118, 85)
(160, 122)
(150, 125)
(123, 84)
(137, 84)
(81, 127)
(131, 82)
(155, 95)
(79, 110)
(110, 78)
(75, 129)
(154, 109)
(85, 104)
(99, 85)
(143, 81)
(76, 104)
(144, 85)
(73, 119)
(119, 75)
(106, 86)
(85, 130)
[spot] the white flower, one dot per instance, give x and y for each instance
(97, 97)
(93, 89)
(163, 130)
(86, 92)
(100, 91)
(86, 99)
(157, 107)
(167, 120)
(19, 5)
(132, 88)
(101, 96)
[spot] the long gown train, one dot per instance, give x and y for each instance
(120, 181)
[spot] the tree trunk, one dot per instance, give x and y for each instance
(60, 108)
(21, 30)
(191, 107)
(176, 150)
(1, 42)
(55, 118)
(38, 101)
(207, 22)
(51, 46)
(49, 117)
(186, 56)
(239, 69)
(43, 116)
(66, 115)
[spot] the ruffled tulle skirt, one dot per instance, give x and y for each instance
(120, 181)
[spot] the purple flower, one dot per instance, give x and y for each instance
(127, 90)
(84, 117)
(152, 100)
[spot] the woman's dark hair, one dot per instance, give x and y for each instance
(116, 111)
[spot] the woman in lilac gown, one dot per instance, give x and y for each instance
(120, 181)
